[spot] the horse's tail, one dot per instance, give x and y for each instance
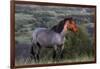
(34, 37)
(31, 39)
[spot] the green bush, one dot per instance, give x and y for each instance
(78, 44)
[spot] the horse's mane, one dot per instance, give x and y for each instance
(59, 27)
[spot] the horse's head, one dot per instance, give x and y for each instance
(70, 24)
(64, 25)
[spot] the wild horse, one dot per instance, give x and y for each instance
(52, 38)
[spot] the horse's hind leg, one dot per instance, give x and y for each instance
(33, 52)
(38, 56)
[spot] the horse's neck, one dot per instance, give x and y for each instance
(63, 33)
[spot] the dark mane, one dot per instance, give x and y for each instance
(59, 27)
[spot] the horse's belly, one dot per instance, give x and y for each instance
(45, 43)
(48, 42)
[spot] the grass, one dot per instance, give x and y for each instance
(45, 60)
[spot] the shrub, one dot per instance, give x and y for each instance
(78, 44)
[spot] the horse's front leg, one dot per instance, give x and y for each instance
(62, 51)
(58, 52)
(54, 53)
